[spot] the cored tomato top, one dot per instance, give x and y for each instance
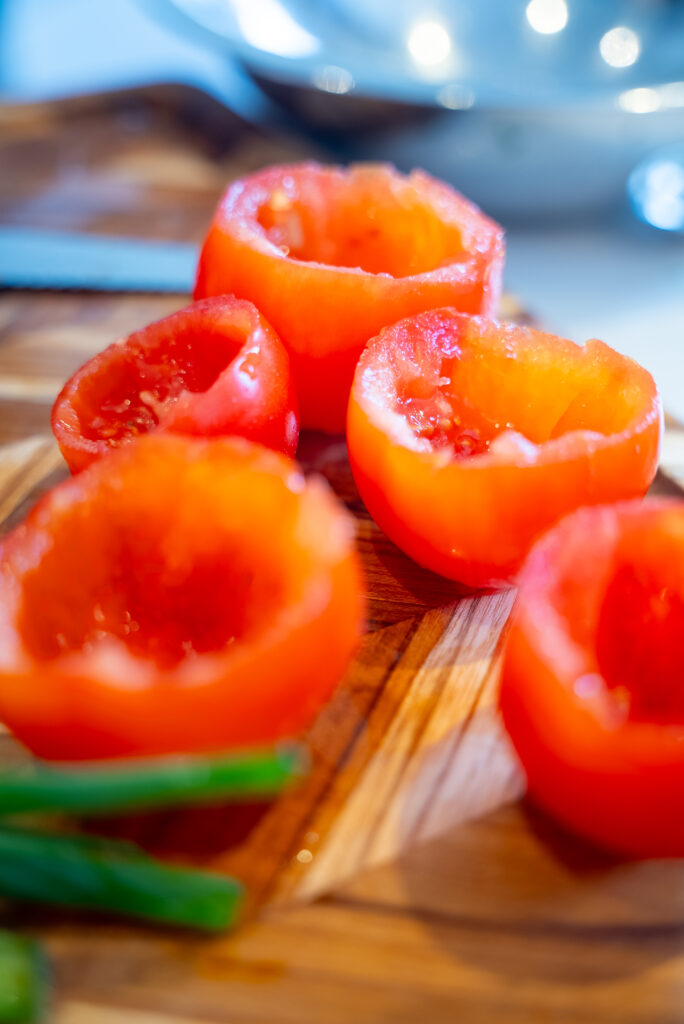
(592, 692)
(214, 368)
(468, 438)
(179, 595)
(331, 255)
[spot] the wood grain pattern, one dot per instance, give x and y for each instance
(403, 881)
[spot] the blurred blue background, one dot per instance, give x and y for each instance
(562, 118)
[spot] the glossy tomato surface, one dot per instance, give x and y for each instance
(332, 255)
(179, 595)
(468, 438)
(592, 691)
(212, 369)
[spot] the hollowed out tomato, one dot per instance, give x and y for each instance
(468, 438)
(593, 680)
(331, 255)
(215, 368)
(179, 595)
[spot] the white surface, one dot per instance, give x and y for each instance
(621, 283)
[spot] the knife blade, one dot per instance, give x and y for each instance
(34, 258)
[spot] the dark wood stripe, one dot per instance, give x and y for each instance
(575, 931)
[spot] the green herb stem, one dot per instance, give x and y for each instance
(23, 980)
(148, 784)
(119, 877)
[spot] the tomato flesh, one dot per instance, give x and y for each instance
(468, 438)
(331, 255)
(592, 691)
(179, 595)
(212, 369)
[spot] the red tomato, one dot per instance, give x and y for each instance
(468, 438)
(214, 368)
(593, 680)
(331, 255)
(180, 595)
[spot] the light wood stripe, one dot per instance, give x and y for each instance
(400, 793)
(20, 477)
(672, 455)
(29, 389)
(89, 1013)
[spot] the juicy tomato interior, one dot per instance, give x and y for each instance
(639, 644)
(141, 386)
(163, 588)
(460, 384)
(381, 224)
(127, 591)
(441, 419)
(625, 607)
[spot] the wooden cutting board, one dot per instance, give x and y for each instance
(404, 880)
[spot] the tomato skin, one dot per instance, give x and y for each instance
(214, 368)
(321, 302)
(611, 774)
(181, 595)
(473, 519)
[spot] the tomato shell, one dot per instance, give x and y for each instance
(180, 595)
(212, 369)
(592, 693)
(469, 438)
(331, 255)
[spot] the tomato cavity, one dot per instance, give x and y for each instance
(364, 220)
(160, 609)
(462, 386)
(135, 395)
(421, 381)
(436, 418)
(639, 642)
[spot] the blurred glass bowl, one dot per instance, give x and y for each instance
(532, 107)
